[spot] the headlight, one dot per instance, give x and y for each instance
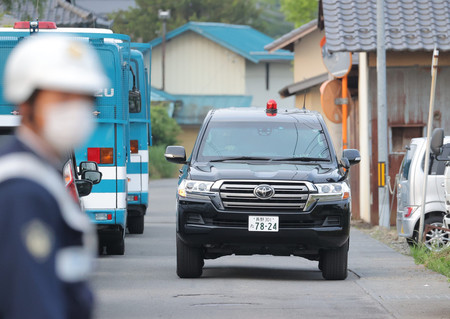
(332, 191)
(191, 187)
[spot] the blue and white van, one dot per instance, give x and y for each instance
(140, 140)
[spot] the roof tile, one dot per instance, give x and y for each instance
(350, 25)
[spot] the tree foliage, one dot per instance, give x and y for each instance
(142, 22)
(299, 12)
(164, 128)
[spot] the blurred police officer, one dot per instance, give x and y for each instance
(46, 242)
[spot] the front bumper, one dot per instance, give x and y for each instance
(325, 226)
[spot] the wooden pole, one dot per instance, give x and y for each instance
(344, 112)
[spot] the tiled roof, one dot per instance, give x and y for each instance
(286, 41)
(351, 25)
(241, 39)
(62, 12)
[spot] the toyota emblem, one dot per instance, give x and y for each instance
(264, 191)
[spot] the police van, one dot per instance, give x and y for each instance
(109, 146)
(140, 139)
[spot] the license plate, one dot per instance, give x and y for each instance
(263, 223)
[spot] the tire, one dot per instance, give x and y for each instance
(136, 224)
(436, 239)
(434, 220)
(334, 263)
(116, 247)
(189, 260)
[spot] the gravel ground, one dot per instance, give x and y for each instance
(386, 236)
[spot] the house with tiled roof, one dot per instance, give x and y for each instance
(63, 12)
(217, 65)
(413, 28)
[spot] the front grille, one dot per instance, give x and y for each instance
(288, 197)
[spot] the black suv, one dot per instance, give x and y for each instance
(262, 182)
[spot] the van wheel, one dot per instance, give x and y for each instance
(334, 263)
(116, 247)
(436, 239)
(136, 224)
(189, 260)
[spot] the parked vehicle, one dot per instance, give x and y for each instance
(262, 182)
(109, 146)
(410, 188)
(140, 139)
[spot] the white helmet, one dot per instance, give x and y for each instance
(52, 62)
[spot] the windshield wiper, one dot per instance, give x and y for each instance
(302, 159)
(241, 158)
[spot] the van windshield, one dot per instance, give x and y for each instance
(407, 161)
(263, 140)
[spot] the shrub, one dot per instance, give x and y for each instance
(164, 132)
(158, 166)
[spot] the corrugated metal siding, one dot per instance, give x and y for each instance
(408, 95)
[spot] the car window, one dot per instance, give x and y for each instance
(438, 166)
(263, 139)
(406, 164)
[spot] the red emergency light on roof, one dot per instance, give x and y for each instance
(271, 108)
(40, 25)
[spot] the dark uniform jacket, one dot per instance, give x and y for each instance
(32, 231)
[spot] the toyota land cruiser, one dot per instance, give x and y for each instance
(263, 182)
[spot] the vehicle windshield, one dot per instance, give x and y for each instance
(287, 141)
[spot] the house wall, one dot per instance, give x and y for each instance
(196, 65)
(312, 102)
(308, 57)
(280, 75)
(408, 94)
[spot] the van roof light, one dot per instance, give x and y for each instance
(271, 108)
(34, 26)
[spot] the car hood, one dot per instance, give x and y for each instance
(317, 173)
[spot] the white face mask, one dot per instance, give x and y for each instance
(68, 125)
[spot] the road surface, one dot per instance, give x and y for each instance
(143, 284)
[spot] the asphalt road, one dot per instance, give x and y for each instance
(143, 284)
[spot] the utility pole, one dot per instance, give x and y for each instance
(426, 168)
(382, 127)
(164, 16)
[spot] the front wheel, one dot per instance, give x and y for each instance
(333, 263)
(189, 260)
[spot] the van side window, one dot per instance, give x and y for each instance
(438, 167)
(407, 161)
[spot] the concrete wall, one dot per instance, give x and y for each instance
(308, 57)
(280, 75)
(196, 65)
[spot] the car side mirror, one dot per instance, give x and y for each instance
(352, 156)
(175, 154)
(134, 99)
(84, 187)
(93, 176)
(345, 163)
(437, 140)
(88, 166)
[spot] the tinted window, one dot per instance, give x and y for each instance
(438, 167)
(263, 139)
(5, 134)
(406, 164)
